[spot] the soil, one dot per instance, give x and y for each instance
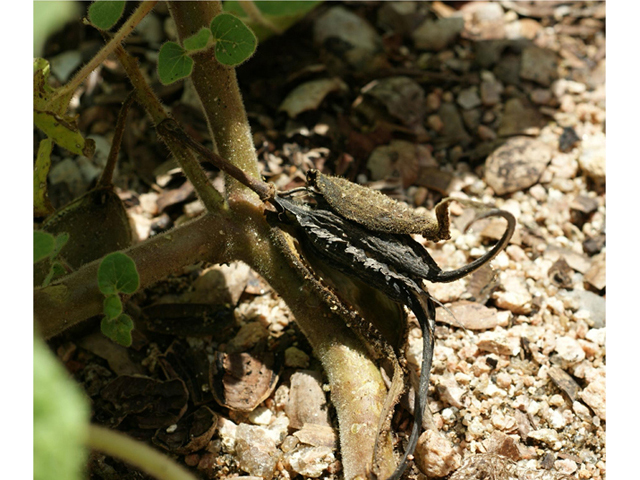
(505, 104)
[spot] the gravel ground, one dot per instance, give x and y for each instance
(502, 102)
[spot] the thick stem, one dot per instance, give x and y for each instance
(357, 389)
(76, 297)
(143, 9)
(136, 453)
(218, 91)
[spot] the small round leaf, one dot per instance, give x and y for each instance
(197, 41)
(118, 329)
(173, 63)
(43, 245)
(112, 306)
(117, 273)
(235, 42)
(105, 14)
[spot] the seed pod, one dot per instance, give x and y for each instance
(376, 211)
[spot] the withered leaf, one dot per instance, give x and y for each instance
(193, 432)
(192, 366)
(151, 403)
(241, 381)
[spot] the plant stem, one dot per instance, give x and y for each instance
(136, 453)
(75, 297)
(106, 178)
(143, 9)
(219, 93)
(265, 191)
(210, 197)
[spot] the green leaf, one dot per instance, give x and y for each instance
(41, 204)
(105, 14)
(64, 132)
(56, 270)
(118, 329)
(117, 273)
(60, 419)
(112, 306)
(43, 245)
(198, 41)
(61, 241)
(281, 14)
(173, 63)
(235, 42)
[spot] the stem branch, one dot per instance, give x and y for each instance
(136, 453)
(143, 9)
(211, 198)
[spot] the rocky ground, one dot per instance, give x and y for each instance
(502, 102)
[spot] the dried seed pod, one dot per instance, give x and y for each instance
(377, 212)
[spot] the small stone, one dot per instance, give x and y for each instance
(317, 435)
(295, 358)
(453, 132)
(564, 382)
(565, 466)
(226, 431)
(307, 400)
(581, 411)
(435, 455)
(592, 158)
(597, 335)
(358, 41)
(596, 275)
(435, 123)
(433, 102)
(468, 98)
(568, 139)
(402, 97)
(471, 315)
(486, 134)
(515, 297)
(434, 35)
(490, 92)
(260, 416)
(310, 461)
(503, 445)
(249, 335)
(548, 436)
(569, 351)
(449, 391)
(539, 65)
(504, 380)
(520, 118)
(516, 165)
(592, 304)
(595, 396)
(256, 451)
(498, 342)
(540, 96)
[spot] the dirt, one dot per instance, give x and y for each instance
(517, 389)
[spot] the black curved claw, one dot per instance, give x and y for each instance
(457, 274)
(425, 314)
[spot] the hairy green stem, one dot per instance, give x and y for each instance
(149, 460)
(143, 9)
(219, 93)
(210, 197)
(75, 297)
